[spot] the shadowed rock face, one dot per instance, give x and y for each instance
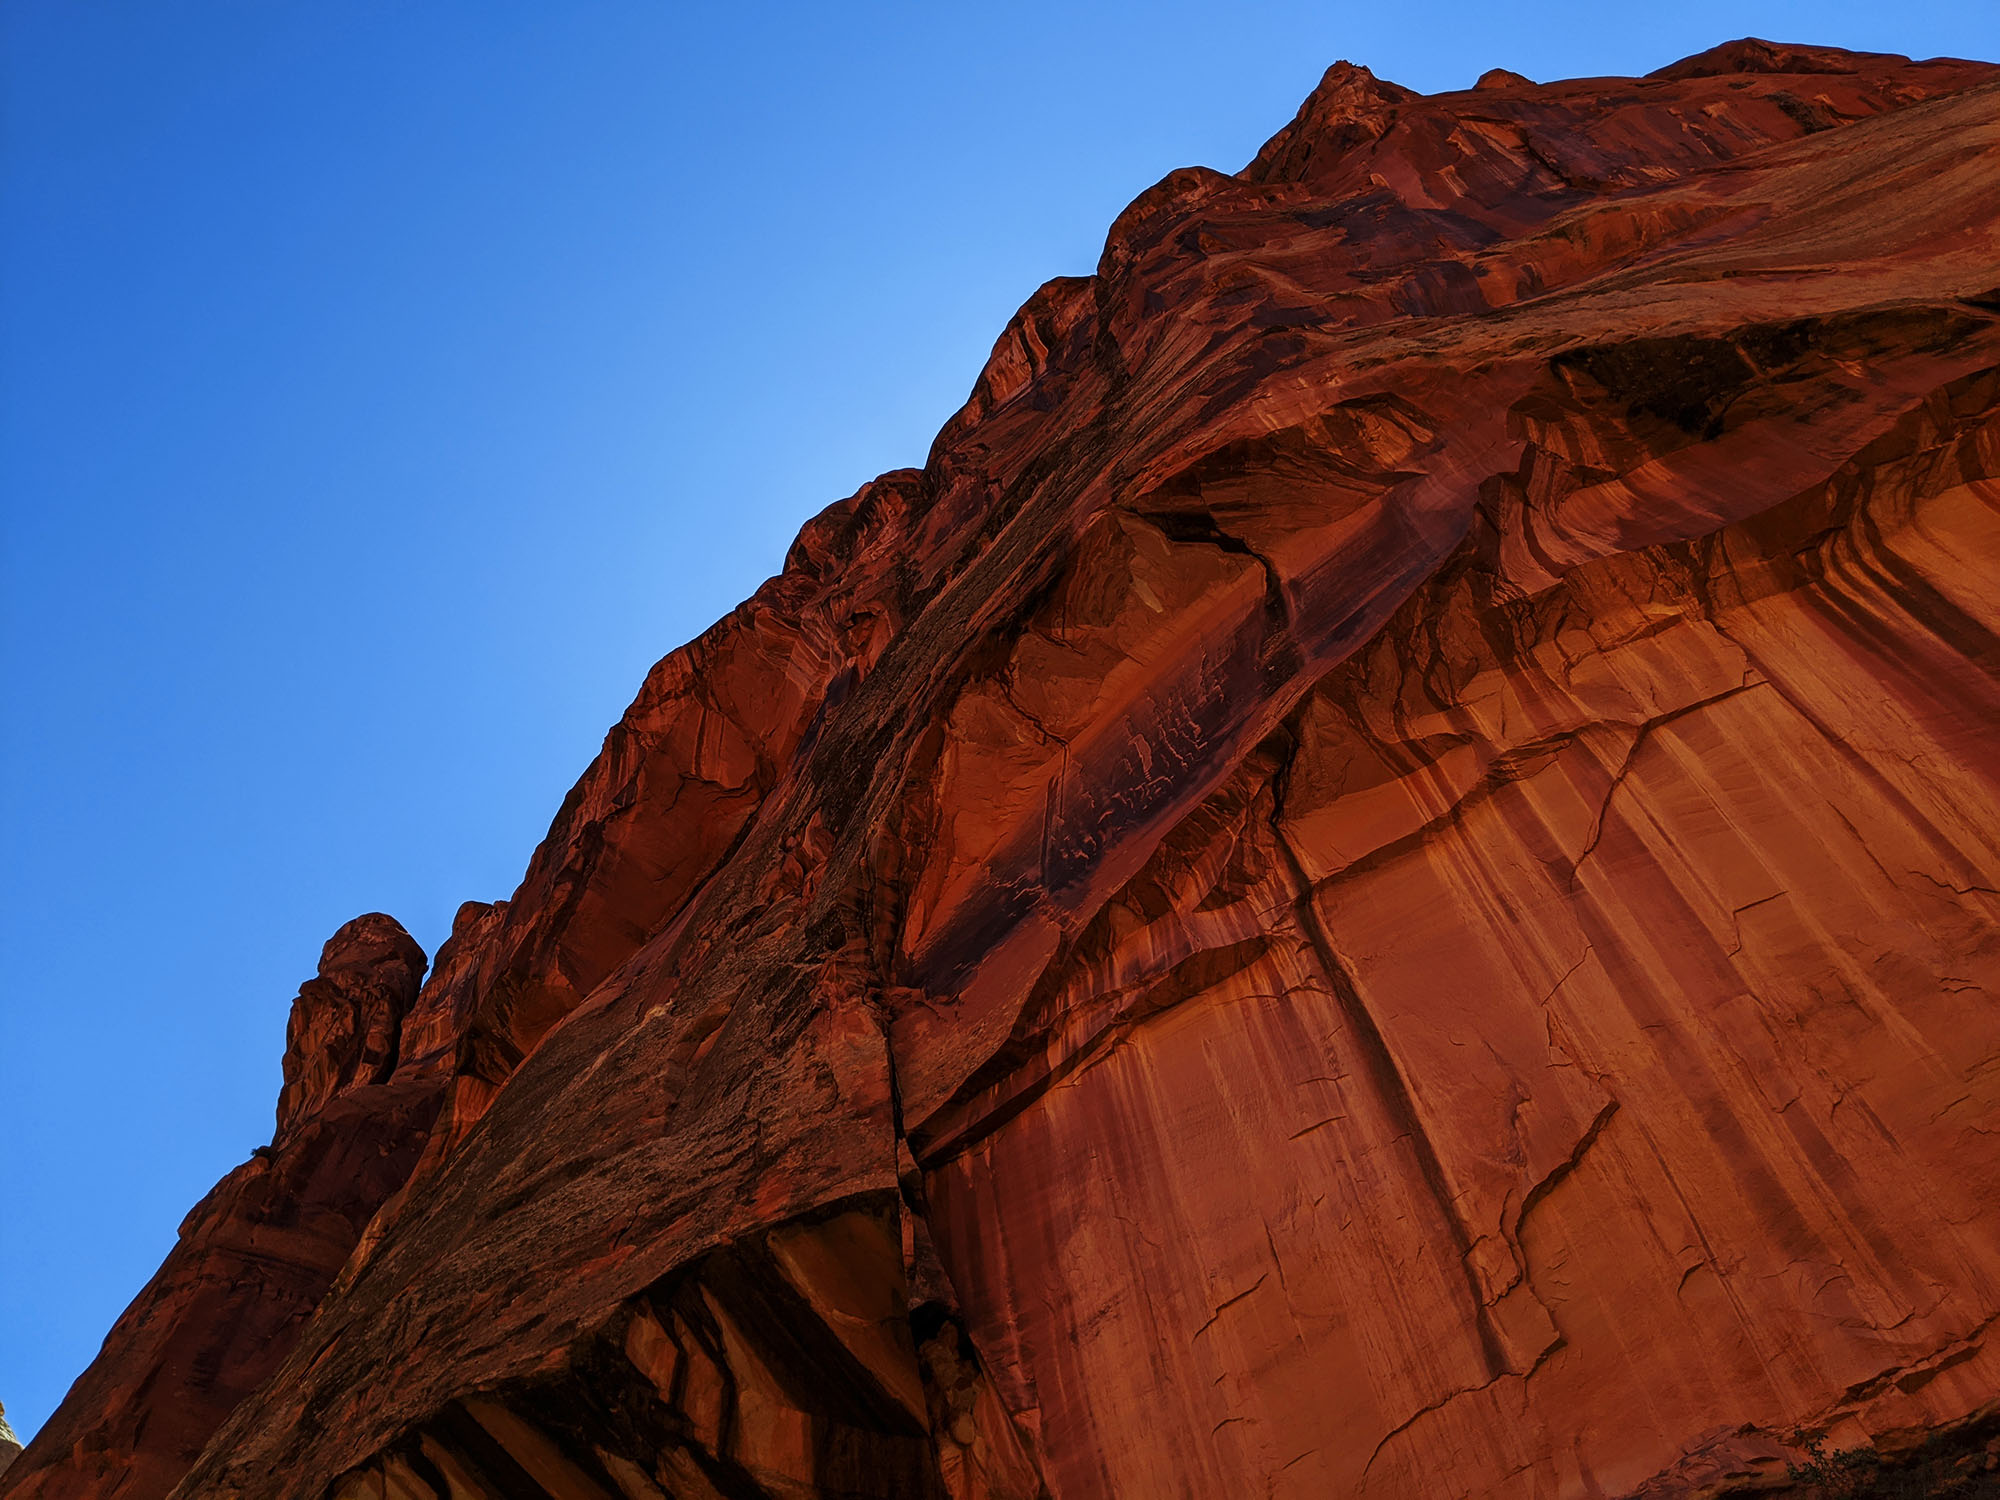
(258, 1253)
(1380, 879)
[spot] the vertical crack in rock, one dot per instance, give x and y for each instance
(1391, 1089)
(1547, 1184)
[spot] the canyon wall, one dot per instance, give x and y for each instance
(1382, 878)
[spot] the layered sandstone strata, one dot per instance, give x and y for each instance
(1379, 880)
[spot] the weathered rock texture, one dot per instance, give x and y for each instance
(258, 1253)
(1379, 880)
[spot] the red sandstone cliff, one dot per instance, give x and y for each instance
(258, 1253)
(1379, 880)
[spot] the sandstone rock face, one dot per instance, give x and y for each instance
(345, 1024)
(258, 1253)
(1379, 880)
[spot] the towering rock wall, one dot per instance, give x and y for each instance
(1379, 880)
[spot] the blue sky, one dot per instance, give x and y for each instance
(384, 386)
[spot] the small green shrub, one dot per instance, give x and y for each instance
(1847, 1474)
(1953, 1467)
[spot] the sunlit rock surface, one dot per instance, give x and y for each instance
(1381, 879)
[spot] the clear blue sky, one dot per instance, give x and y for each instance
(383, 386)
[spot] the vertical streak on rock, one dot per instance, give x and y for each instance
(1391, 1088)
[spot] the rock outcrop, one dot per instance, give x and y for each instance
(256, 1256)
(1381, 879)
